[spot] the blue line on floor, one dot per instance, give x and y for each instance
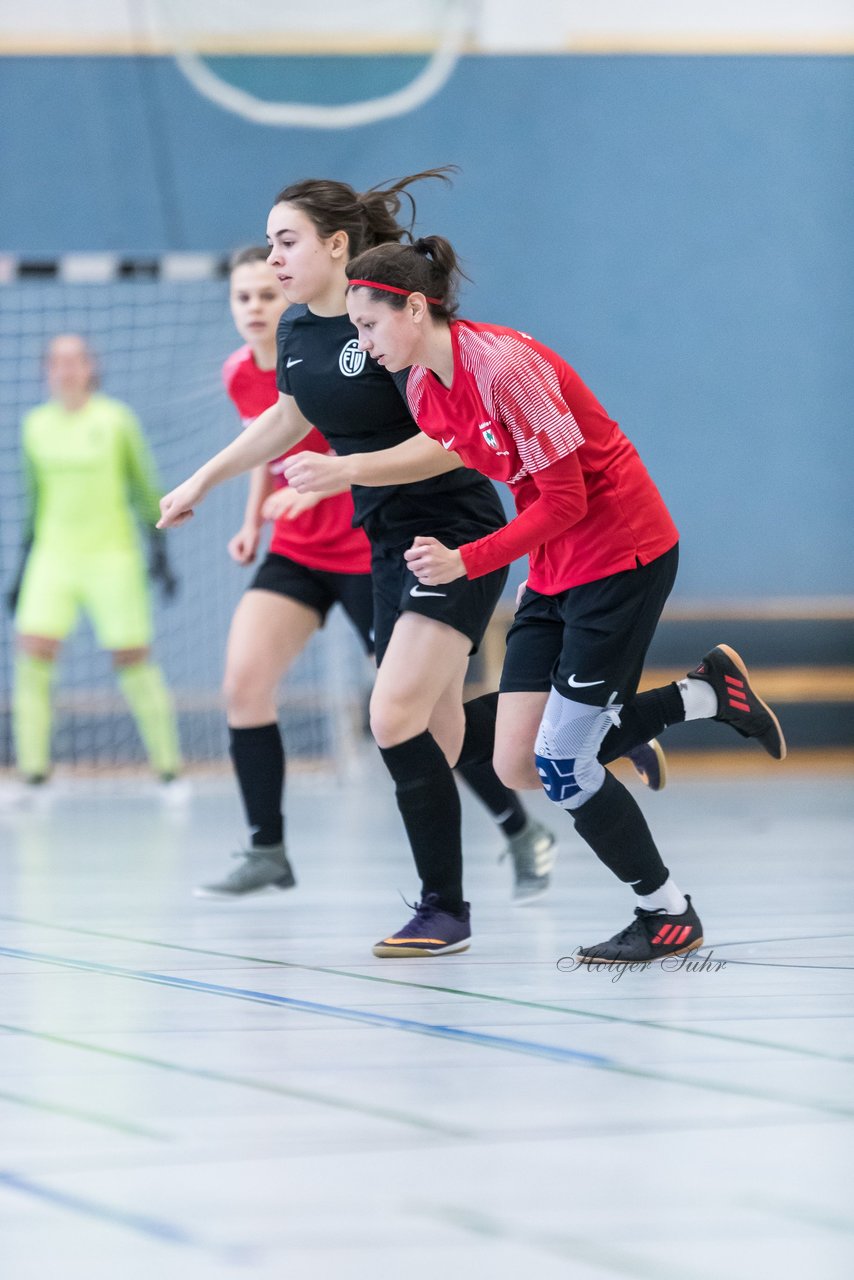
(509, 1043)
(154, 1228)
(506, 1043)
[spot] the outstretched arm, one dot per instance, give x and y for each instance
(418, 458)
(272, 433)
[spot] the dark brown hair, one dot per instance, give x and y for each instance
(369, 218)
(428, 265)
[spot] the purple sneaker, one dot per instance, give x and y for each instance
(651, 764)
(430, 932)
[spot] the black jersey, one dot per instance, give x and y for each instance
(358, 407)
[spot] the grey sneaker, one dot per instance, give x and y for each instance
(265, 868)
(532, 852)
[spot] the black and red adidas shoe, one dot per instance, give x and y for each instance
(652, 935)
(738, 704)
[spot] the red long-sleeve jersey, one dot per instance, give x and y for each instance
(517, 412)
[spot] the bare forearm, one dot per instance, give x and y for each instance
(260, 487)
(418, 458)
(271, 434)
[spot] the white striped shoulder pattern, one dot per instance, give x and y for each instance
(415, 389)
(521, 390)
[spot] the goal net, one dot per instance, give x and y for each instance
(160, 343)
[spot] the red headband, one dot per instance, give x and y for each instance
(392, 288)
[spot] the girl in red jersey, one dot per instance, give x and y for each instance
(316, 559)
(603, 555)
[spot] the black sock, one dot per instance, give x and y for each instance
(475, 765)
(429, 804)
(504, 805)
(612, 824)
(258, 755)
(646, 716)
(479, 738)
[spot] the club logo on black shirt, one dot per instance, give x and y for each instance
(351, 360)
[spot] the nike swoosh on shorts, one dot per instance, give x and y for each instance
(581, 684)
(416, 591)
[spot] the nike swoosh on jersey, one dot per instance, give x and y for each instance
(291, 362)
(416, 591)
(581, 684)
(446, 444)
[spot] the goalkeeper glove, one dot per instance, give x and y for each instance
(159, 568)
(14, 590)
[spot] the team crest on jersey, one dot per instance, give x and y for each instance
(351, 360)
(489, 435)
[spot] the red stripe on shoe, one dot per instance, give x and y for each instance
(739, 706)
(732, 680)
(683, 934)
(663, 935)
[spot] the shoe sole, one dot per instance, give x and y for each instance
(683, 951)
(738, 661)
(662, 765)
(524, 899)
(384, 952)
(661, 761)
(231, 895)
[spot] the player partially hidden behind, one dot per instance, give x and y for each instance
(316, 560)
(603, 554)
(88, 473)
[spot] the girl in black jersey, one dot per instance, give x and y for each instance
(424, 636)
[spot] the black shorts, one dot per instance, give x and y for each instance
(466, 605)
(591, 641)
(320, 590)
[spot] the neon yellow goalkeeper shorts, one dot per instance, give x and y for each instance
(110, 587)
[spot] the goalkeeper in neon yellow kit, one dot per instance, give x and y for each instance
(88, 471)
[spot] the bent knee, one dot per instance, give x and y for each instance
(393, 722)
(44, 647)
(129, 657)
(571, 782)
(567, 747)
(246, 690)
(516, 770)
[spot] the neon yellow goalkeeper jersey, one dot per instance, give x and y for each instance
(87, 471)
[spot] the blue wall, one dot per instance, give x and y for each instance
(681, 229)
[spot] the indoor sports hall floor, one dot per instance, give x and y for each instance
(202, 1090)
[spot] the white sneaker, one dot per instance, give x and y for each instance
(175, 791)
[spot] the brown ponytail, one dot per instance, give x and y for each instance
(429, 265)
(369, 219)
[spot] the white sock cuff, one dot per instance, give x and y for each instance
(698, 698)
(668, 898)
